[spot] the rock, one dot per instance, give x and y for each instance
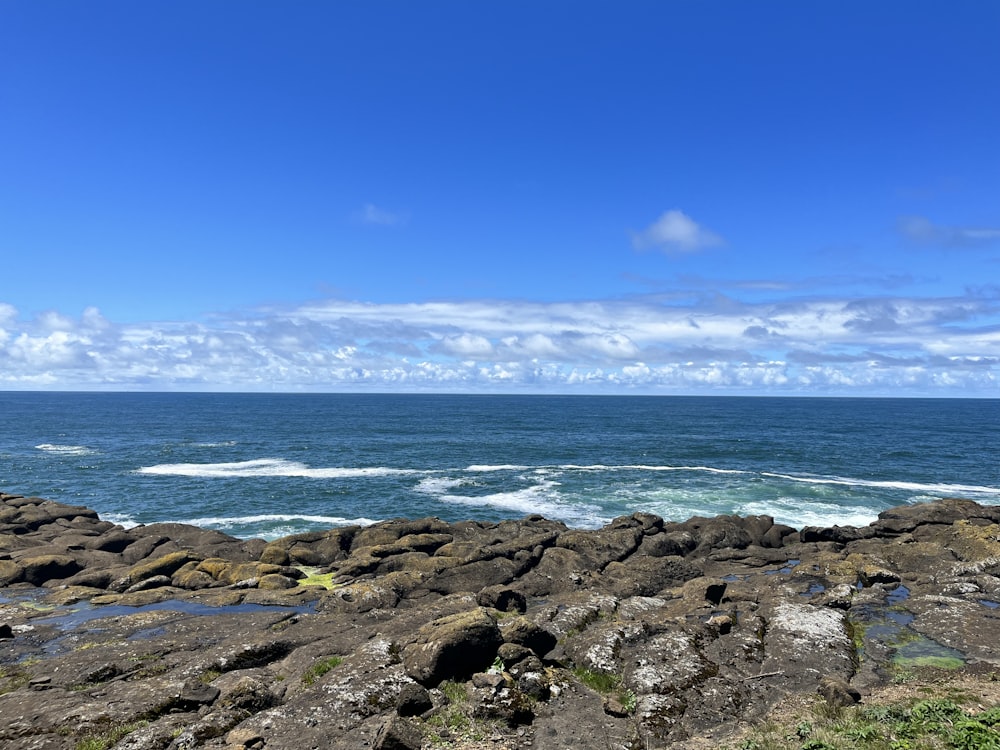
(647, 576)
(523, 632)
(10, 572)
(598, 548)
(397, 733)
(192, 694)
(642, 632)
(39, 570)
(165, 565)
(705, 590)
(454, 646)
(148, 583)
(244, 738)
(805, 642)
(413, 700)
(248, 694)
(838, 692)
(502, 598)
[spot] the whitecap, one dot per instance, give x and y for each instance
(496, 467)
(66, 450)
(933, 489)
(539, 498)
(437, 486)
(647, 467)
(122, 519)
(793, 511)
(228, 522)
(270, 467)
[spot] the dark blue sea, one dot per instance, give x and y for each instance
(270, 465)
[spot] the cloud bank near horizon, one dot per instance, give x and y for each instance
(645, 344)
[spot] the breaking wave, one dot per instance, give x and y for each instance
(66, 450)
(270, 467)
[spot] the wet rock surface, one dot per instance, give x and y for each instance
(419, 633)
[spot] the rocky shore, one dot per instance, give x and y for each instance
(419, 633)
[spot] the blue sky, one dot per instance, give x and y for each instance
(639, 197)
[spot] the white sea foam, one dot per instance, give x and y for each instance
(497, 467)
(932, 489)
(437, 486)
(66, 450)
(792, 511)
(122, 519)
(271, 467)
(222, 522)
(540, 498)
(599, 467)
(645, 467)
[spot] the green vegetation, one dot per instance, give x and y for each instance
(320, 668)
(209, 675)
(109, 737)
(455, 692)
(452, 725)
(315, 578)
(937, 662)
(12, 678)
(928, 724)
(606, 683)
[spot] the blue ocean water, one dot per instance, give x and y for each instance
(268, 465)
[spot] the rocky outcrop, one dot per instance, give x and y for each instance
(418, 633)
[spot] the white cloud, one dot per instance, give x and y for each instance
(468, 345)
(372, 214)
(675, 232)
(837, 345)
(921, 229)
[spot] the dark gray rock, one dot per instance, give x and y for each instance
(452, 647)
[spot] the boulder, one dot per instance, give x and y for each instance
(453, 646)
(39, 570)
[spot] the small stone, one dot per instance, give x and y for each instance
(838, 692)
(243, 737)
(722, 623)
(489, 680)
(413, 700)
(398, 734)
(614, 707)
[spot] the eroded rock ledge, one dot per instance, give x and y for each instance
(421, 633)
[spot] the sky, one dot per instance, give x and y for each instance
(669, 197)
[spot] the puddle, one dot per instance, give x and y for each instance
(897, 595)
(891, 629)
(83, 613)
(147, 633)
(785, 570)
(926, 652)
(989, 603)
(29, 599)
(814, 588)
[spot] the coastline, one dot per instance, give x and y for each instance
(643, 631)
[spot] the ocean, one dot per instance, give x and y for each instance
(267, 465)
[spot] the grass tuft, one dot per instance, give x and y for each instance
(320, 668)
(110, 736)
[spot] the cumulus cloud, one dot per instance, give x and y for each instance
(816, 345)
(468, 345)
(675, 232)
(923, 230)
(372, 214)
